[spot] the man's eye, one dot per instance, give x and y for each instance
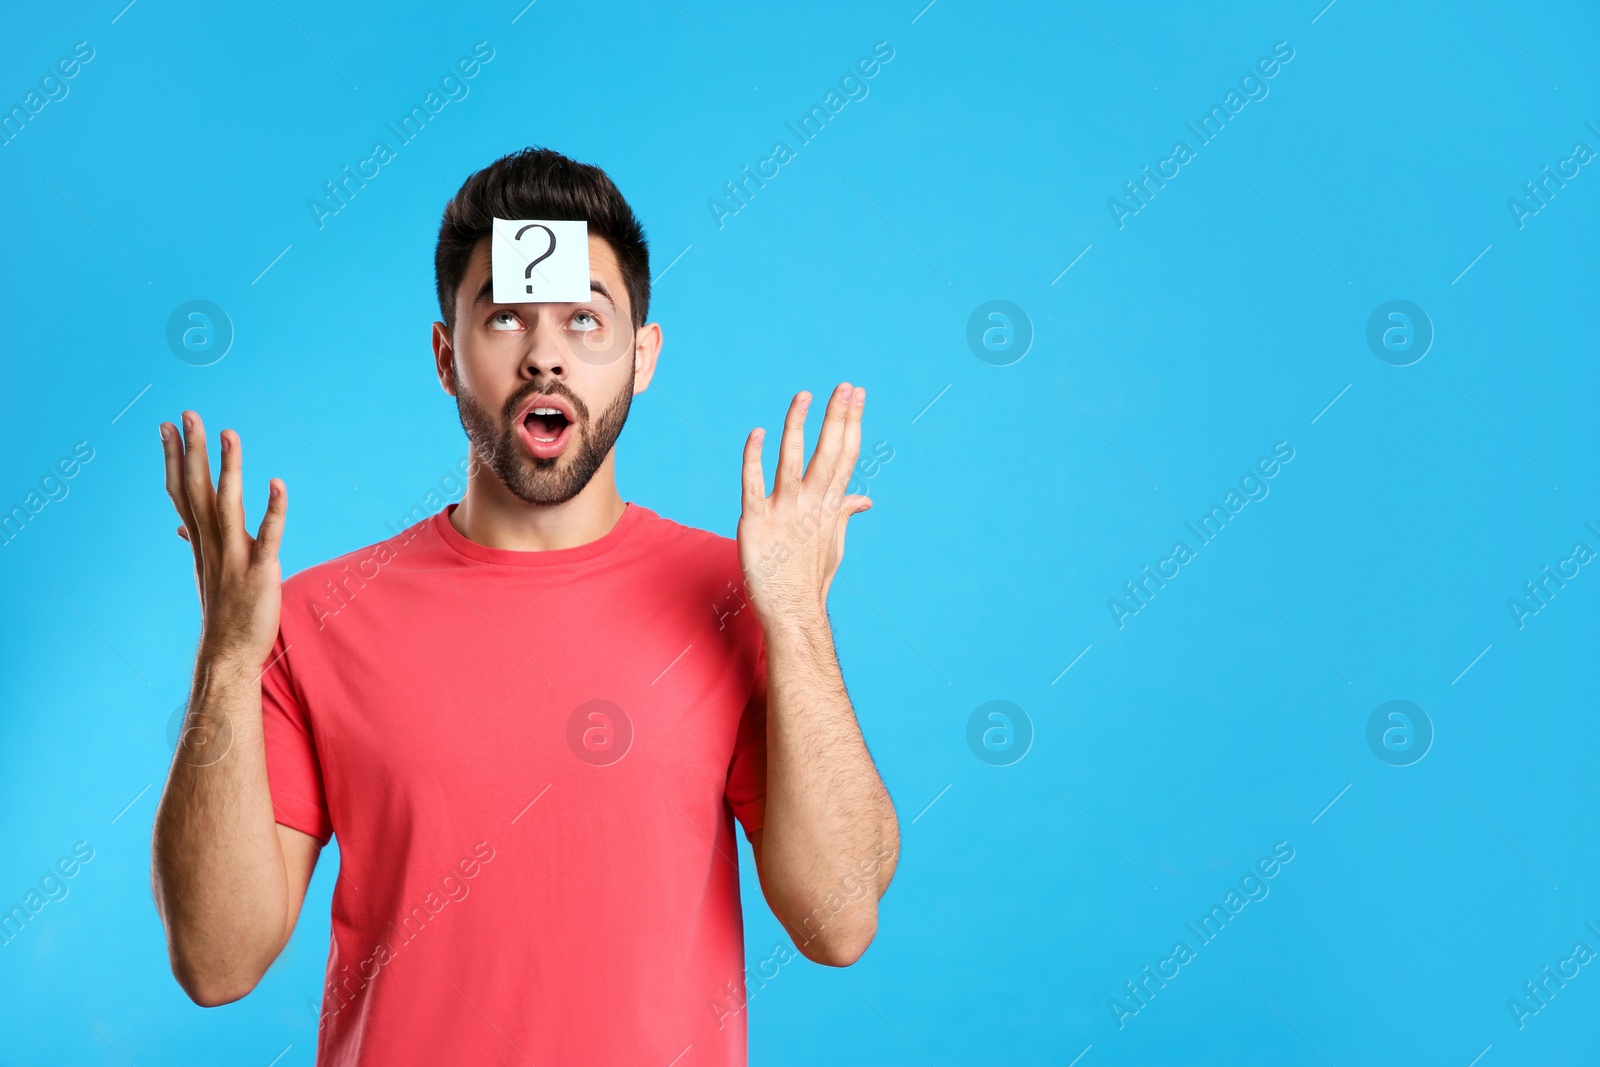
(585, 321)
(505, 320)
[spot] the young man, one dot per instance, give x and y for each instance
(532, 717)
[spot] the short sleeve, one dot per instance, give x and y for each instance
(747, 773)
(294, 773)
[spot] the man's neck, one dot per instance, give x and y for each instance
(491, 515)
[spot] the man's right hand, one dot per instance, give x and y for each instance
(238, 576)
(227, 879)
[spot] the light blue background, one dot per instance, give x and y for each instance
(1224, 317)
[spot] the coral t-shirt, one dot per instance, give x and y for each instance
(533, 762)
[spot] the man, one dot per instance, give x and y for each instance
(532, 717)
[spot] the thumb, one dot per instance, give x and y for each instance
(855, 504)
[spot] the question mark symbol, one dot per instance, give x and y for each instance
(528, 274)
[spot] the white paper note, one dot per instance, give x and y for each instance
(540, 261)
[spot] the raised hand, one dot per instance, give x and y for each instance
(237, 575)
(791, 542)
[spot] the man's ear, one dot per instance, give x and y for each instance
(443, 356)
(646, 347)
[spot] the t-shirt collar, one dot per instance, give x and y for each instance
(632, 515)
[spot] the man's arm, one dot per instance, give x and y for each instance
(228, 881)
(830, 839)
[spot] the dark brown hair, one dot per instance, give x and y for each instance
(537, 183)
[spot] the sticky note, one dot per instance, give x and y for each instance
(540, 261)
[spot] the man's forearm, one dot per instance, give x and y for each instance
(218, 874)
(830, 837)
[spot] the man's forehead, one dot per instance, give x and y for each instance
(602, 264)
(604, 269)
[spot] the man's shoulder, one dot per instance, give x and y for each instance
(705, 571)
(692, 541)
(365, 563)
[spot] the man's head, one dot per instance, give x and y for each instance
(543, 389)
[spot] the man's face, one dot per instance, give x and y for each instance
(543, 390)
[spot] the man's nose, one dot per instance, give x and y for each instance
(547, 354)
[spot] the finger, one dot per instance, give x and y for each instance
(230, 504)
(197, 476)
(830, 438)
(852, 439)
(270, 536)
(752, 481)
(792, 448)
(854, 504)
(172, 453)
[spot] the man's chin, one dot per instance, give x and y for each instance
(542, 492)
(543, 481)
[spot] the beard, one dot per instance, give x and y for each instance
(530, 478)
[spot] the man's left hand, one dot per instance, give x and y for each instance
(791, 542)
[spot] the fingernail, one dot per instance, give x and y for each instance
(163, 429)
(225, 446)
(861, 398)
(188, 423)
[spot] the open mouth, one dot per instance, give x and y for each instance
(546, 426)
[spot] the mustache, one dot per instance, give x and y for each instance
(551, 388)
